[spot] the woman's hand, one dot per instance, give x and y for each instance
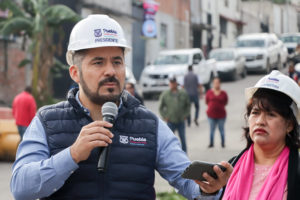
(212, 185)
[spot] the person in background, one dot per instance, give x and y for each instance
(24, 109)
(216, 100)
(58, 156)
(193, 87)
(174, 107)
(130, 87)
(293, 73)
(269, 166)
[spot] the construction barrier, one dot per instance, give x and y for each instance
(9, 135)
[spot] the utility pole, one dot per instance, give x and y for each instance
(287, 15)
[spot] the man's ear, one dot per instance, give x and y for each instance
(74, 73)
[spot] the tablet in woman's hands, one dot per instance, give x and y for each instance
(197, 168)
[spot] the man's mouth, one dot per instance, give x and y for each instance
(110, 84)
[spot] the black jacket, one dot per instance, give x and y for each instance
(293, 174)
(132, 155)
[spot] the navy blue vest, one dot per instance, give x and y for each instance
(131, 166)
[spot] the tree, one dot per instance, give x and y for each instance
(37, 22)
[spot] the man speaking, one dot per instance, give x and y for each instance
(59, 154)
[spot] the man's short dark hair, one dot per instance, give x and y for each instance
(78, 57)
(28, 89)
(131, 84)
(173, 79)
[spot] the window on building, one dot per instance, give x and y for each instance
(223, 26)
(226, 3)
(163, 35)
(209, 18)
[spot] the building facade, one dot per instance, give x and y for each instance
(222, 22)
(265, 16)
(204, 24)
(173, 28)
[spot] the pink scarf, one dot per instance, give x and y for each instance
(240, 182)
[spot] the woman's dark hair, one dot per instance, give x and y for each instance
(271, 100)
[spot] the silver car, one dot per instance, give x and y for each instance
(290, 40)
(230, 64)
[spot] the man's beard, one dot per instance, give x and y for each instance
(101, 99)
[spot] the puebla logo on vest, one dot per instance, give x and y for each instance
(123, 139)
(136, 141)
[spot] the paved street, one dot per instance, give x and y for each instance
(197, 137)
(5, 173)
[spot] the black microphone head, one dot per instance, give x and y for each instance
(109, 108)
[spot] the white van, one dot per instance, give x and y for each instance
(263, 51)
(155, 77)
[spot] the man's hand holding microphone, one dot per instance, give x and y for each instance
(95, 134)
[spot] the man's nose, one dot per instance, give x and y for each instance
(110, 70)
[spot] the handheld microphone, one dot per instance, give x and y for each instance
(109, 113)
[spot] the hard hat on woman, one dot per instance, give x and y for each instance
(279, 82)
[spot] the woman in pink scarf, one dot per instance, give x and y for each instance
(269, 168)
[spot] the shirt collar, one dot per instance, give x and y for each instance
(87, 110)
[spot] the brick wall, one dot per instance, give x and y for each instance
(6, 113)
(176, 8)
(12, 80)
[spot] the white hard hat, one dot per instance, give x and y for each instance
(297, 67)
(95, 31)
(281, 83)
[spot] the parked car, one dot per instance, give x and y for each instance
(262, 51)
(230, 64)
(284, 55)
(290, 40)
(155, 78)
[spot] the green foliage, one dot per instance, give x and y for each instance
(47, 101)
(57, 68)
(24, 62)
(17, 25)
(59, 14)
(169, 196)
(37, 21)
(12, 7)
(29, 7)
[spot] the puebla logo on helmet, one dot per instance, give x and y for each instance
(109, 32)
(97, 32)
(274, 80)
(272, 83)
(106, 35)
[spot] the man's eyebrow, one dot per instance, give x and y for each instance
(97, 59)
(117, 58)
